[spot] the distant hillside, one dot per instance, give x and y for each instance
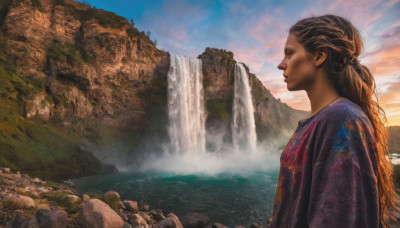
(394, 139)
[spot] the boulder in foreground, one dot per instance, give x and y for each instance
(97, 214)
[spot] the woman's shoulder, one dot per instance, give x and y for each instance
(345, 111)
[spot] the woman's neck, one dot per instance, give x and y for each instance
(321, 93)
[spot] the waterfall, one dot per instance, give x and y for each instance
(186, 105)
(243, 127)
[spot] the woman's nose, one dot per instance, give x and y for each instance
(280, 66)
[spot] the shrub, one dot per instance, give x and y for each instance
(218, 110)
(38, 5)
(132, 32)
(105, 18)
(11, 204)
(60, 2)
(97, 196)
(64, 52)
(53, 185)
(113, 202)
(63, 200)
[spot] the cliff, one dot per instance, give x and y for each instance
(77, 81)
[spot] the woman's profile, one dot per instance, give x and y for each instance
(334, 171)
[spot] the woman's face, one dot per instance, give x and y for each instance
(299, 71)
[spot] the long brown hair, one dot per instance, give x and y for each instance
(343, 44)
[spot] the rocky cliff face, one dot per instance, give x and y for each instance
(93, 63)
(89, 73)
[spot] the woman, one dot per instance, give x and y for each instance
(333, 170)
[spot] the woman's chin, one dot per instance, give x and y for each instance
(291, 87)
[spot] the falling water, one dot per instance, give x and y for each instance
(186, 105)
(243, 126)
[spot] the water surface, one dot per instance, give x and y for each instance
(230, 199)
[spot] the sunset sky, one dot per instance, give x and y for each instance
(256, 31)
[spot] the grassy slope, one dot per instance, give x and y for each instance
(47, 151)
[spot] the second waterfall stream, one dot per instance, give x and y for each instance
(243, 125)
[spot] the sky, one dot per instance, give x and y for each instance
(256, 31)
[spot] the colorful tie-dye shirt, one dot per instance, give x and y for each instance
(328, 172)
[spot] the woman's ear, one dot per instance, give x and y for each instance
(319, 57)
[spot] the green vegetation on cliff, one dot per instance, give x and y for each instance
(64, 52)
(219, 111)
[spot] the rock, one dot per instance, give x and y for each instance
(110, 195)
(131, 205)
(52, 219)
(218, 225)
(127, 225)
(73, 198)
(86, 197)
(171, 221)
(6, 170)
(37, 180)
(137, 221)
(28, 222)
(11, 218)
(19, 202)
(123, 216)
(194, 220)
(10, 176)
(157, 215)
(146, 217)
(144, 207)
(239, 226)
(122, 206)
(159, 211)
(8, 181)
(97, 214)
(53, 205)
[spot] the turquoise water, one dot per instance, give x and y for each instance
(230, 199)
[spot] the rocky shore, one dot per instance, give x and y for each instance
(31, 202)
